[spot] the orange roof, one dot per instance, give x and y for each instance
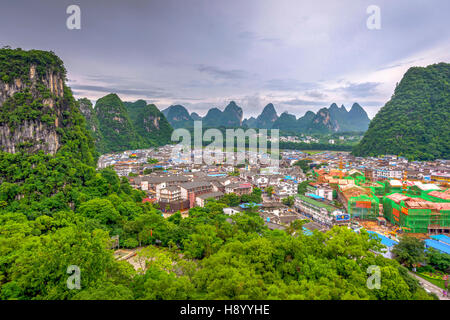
(441, 195)
(397, 197)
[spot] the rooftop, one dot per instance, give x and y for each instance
(195, 184)
(442, 247)
(210, 195)
(319, 204)
(384, 240)
(442, 238)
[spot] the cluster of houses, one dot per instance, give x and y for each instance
(344, 187)
(387, 167)
(183, 185)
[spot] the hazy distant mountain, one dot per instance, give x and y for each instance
(178, 116)
(230, 117)
(213, 118)
(195, 116)
(286, 122)
(332, 119)
(267, 117)
(304, 122)
(359, 121)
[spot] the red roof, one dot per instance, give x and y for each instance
(148, 200)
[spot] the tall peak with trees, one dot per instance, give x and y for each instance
(415, 122)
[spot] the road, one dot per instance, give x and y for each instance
(429, 286)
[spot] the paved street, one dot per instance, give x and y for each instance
(429, 286)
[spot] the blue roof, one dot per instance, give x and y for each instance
(315, 196)
(248, 204)
(307, 231)
(441, 238)
(384, 240)
(437, 245)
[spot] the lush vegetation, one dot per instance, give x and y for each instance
(149, 123)
(128, 125)
(115, 125)
(178, 117)
(414, 123)
(313, 146)
(58, 211)
(92, 123)
(304, 165)
(220, 258)
(15, 64)
(429, 263)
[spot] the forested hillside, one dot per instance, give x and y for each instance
(149, 123)
(118, 126)
(415, 122)
(57, 210)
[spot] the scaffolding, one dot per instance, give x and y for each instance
(363, 207)
(415, 214)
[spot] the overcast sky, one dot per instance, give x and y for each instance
(299, 55)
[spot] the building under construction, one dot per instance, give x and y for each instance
(424, 213)
(359, 202)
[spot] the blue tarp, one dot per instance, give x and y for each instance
(441, 238)
(315, 196)
(384, 240)
(442, 247)
(307, 232)
(249, 204)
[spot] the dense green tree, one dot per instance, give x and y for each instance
(438, 260)
(409, 251)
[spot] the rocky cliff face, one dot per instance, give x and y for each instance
(33, 126)
(32, 135)
(323, 122)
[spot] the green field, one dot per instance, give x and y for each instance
(311, 152)
(436, 282)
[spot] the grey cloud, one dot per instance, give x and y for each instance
(358, 90)
(135, 92)
(289, 85)
(218, 50)
(219, 73)
(301, 102)
(316, 94)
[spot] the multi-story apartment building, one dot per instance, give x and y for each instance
(190, 190)
(239, 188)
